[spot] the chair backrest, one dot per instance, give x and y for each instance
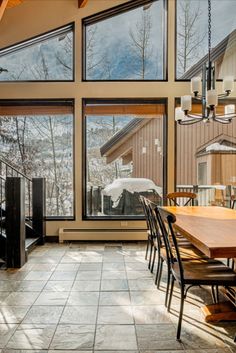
(151, 220)
(167, 221)
(181, 198)
(233, 201)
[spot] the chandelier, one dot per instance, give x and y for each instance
(209, 97)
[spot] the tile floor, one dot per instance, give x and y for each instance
(92, 298)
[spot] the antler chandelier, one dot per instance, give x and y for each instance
(209, 97)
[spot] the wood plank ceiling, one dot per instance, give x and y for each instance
(82, 3)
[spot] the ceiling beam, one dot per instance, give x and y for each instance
(3, 5)
(82, 3)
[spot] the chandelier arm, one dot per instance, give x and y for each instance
(198, 117)
(223, 95)
(188, 122)
(226, 116)
(222, 121)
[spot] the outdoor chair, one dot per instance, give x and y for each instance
(191, 273)
(181, 198)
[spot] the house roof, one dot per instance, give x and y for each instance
(121, 134)
(220, 144)
(228, 42)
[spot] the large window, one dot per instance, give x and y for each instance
(36, 137)
(206, 160)
(126, 42)
(48, 57)
(124, 156)
(191, 36)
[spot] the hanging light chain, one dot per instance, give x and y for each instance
(209, 29)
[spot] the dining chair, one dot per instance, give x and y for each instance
(191, 273)
(187, 250)
(181, 198)
(147, 205)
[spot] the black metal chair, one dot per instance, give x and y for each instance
(147, 205)
(191, 273)
(181, 198)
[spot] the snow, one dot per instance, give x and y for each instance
(116, 188)
(218, 147)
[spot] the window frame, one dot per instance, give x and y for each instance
(47, 102)
(117, 10)
(36, 39)
(84, 152)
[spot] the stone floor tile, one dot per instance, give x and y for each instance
(114, 274)
(43, 267)
(38, 275)
(149, 297)
(7, 286)
(114, 298)
(6, 331)
(29, 336)
(112, 315)
(86, 286)
(141, 284)
(83, 298)
(157, 337)
(12, 314)
(20, 298)
(52, 298)
(136, 266)
(152, 314)
(58, 286)
(12, 275)
(79, 315)
(43, 315)
(117, 266)
(3, 296)
(68, 267)
(139, 274)
(63, 276)
(114, 285)
(90, 266)
(92, 259)
(113, 258)
(73, 337)
(29, 286)
(88, 275)
(115, 337)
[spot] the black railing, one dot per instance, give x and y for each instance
(8, 170)
(22, 213)
(211, 195)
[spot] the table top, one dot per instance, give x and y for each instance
(211, 229)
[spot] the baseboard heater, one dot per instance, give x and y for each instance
(67, 234)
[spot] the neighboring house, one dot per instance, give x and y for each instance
(216, 161)
(224, 57)
(140, 143)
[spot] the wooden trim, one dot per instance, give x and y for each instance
(82, 3)
(129, 109)
(3, 5)
(34, 110)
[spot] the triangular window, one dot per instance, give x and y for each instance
(47, 57)
(126, 43)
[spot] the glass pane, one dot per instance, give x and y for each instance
(124, 158)
(42, 146)
(46, 60)
(206, 161)
(127, 46)
(192, 32)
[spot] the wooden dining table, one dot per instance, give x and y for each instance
(212, 230)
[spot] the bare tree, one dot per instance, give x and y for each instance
(140, 44)
(189, 37)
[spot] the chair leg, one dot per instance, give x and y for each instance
(150, 256)
(213, 294)
(159, 274)
(180, 313)
(217, 294)
(167, 284)
(153, 259)
(171, 292)
(158, 268)
(147, 248)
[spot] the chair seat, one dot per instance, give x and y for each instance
(205, 272)
(187, 253)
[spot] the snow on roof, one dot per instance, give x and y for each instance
(219, 147)
(116, 188)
